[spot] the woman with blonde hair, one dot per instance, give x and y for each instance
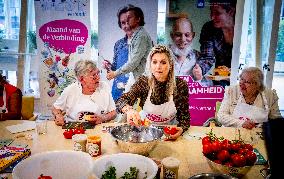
(249, 103)
(164, 97)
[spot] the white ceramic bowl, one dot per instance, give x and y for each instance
(57, 164)
(122, 162)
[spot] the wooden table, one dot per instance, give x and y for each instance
(187, 149)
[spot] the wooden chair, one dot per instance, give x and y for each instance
(28, 108)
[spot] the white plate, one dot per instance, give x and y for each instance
(25, 126)
(122, 162)
(57, 164)
(217, 78)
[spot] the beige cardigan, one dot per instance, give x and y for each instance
(230, 100)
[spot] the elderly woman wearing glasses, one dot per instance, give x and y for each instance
(249, 103)
(164, 97)
(88, 96)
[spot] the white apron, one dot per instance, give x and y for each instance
(3, 109)
(85, 104)
(131, 80)
(129, 83)
(256, 114)
(160, 114)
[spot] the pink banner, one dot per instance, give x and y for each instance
(202, 100)
(65, 35)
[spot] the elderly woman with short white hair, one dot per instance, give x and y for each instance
(88, 95)
(250, 103)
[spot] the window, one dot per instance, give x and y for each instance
(94, 28)
(161, 22)
(278, 75)
(10, 18)
(9, 34)
(259, 54)
(9, 40)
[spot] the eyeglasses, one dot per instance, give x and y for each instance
(93, 75)
(244, 81)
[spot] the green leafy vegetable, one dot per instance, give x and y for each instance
(110, 173)
(132, 175)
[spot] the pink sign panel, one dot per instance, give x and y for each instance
(202, 100)
(65, 35)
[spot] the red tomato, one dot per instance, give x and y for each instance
(218, 161)
(206, 148)
(243, 151)
(173, 131)
(79, 131)
(229, 164)
(68, 133)
(206, 140)
(235, 146)
(170, 130)
(223, 155)
(248, 146)
(226, 144)
(82, 131)
(216, 146)
(250, 157)
(76, 131)
(44, 177)
(238, 160)
(166, 130)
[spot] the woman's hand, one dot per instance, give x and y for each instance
(133, 117)
(248, 124)
(176, 135)
(110, 75)
(58, 116)
(59, 119)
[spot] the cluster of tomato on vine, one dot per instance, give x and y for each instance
(232, 153)
(68, 133)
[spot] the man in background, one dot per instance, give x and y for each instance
(182, 35)
(139, 45)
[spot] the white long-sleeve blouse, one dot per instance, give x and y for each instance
(230, 100)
